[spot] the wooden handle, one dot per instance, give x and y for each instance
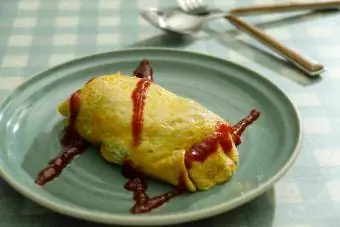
(272, 8)
(307, 65)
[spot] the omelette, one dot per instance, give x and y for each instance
(165, 136)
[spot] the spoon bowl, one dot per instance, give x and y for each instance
(174, 21)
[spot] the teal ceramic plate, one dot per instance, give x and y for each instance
(93, 190)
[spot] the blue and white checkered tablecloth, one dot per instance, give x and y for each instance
(36, 34)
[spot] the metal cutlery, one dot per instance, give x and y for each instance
(182, 23)
(199, 7)
(309, 66)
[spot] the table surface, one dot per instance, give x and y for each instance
(36, 34)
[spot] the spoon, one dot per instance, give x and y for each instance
(186, 24)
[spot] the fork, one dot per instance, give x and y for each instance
(199, 7)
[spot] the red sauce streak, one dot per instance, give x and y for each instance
(240, 127)
(144, 70)
(201, 151)
(138, 98)
(137, 184)
(73, 145)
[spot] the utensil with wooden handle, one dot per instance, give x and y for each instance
(199, 7)
(286, 7)
(307, 65)
(186, 24)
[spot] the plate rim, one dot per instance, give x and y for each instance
(161, 219)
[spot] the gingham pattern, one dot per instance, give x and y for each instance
(36, 34)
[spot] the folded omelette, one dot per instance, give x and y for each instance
(167, 141)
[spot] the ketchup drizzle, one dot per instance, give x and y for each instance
(239, 128)
(137, 184)
(138, 98)
(72, 143)
(144, 70)
(201, 151)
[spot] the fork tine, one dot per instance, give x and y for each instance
(193, 6)
(185, 5)
(182, 4)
